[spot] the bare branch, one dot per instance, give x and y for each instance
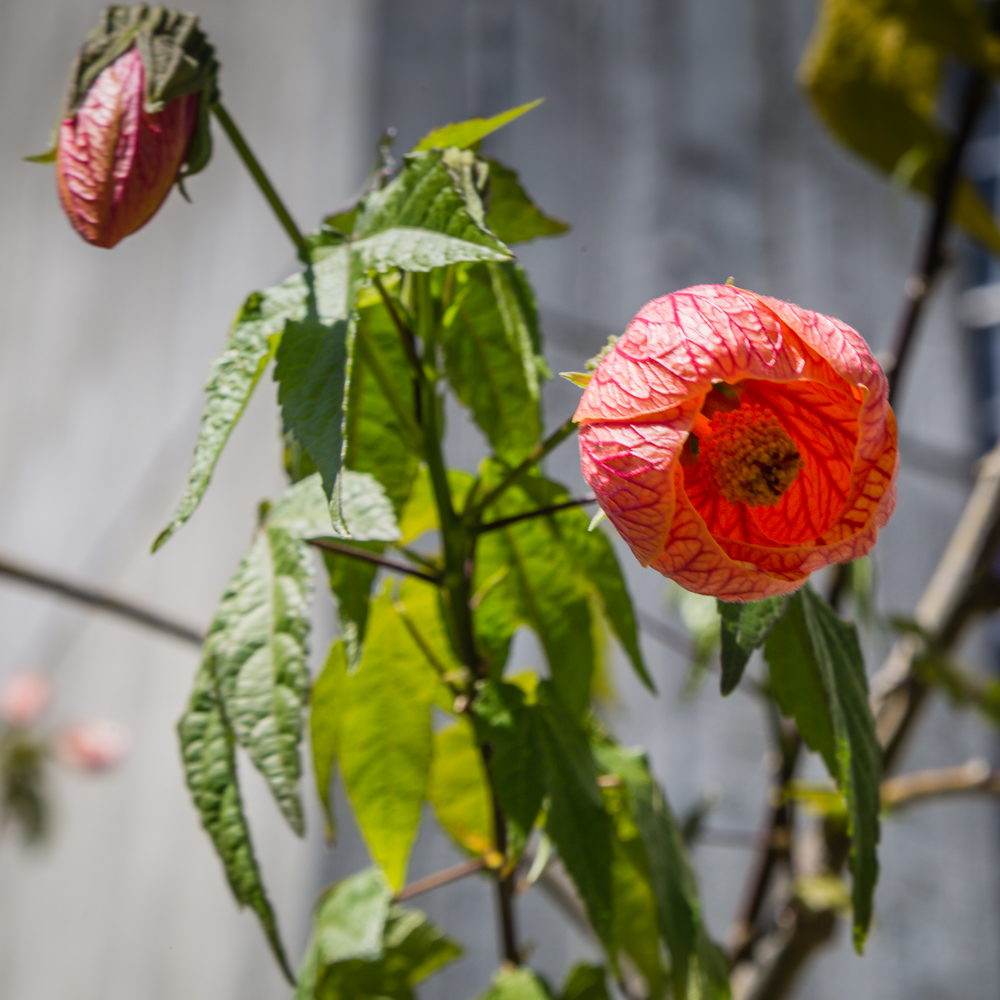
(505, 522)
(83, 593)
(327, 545)
(439, 879)
(908, 789)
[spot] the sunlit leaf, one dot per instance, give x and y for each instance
(367, 513)
(458, 788)
(364, 947)
(504, 721)
(670, 876)
(467, 133)
(875, 81)
(234, 375)
(325, 708)
(385, 735)
(207, 747)
(517, 984)
(814, 640)
(586, 982)
(513, 216)
(577, 821)
(422, 199)
(744, 629)
(490, 360)
(256, 647)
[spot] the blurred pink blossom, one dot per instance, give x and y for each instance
(23, 697)
(94, 745)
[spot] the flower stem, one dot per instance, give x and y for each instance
(257, 173)
(539, 512)
(539, 452)
(340, 549)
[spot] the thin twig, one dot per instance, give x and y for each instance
(539, 452)
(95, 598)
(907, 789)
(931, 258)
(666, 635)
(257, 172)
(505, 522)
(439, 879)
(352, 553)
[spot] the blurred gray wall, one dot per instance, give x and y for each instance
(674, 139)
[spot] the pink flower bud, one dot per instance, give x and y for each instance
(116, 161)
(95, 745)
(23, 698)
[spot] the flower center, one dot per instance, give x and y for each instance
(750, 456)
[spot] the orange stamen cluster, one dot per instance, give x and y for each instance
(750, 456)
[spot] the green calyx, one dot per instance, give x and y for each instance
(177, 57)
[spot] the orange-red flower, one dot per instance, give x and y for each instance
(738, 443)
(115, 161)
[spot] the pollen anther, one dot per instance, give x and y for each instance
(751, 458)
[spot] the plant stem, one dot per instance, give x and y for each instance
(95, 598)
(456, 582)
(931, 256)
(539, 452)
(439, 879)
(352, 553)
(529, 515)
(257, 173)
(973, 776)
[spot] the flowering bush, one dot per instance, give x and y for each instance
(736, 442)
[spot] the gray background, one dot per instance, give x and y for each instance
(675, 141)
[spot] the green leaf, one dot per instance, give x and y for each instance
(593, 558)
(528, 562)
(841, 667)
(670, 875)
(875, 81)
(414, 248)
(458, 789)
(521, 574)
(955, 26)
(325, 709)
(798, 686)
(468, 133)
(367, 513)
(577, 821)
(365, 948)
(744, 629)
(636, 929)
(490, 360)
(586, 982)
(818, 675)
(423, 196)
(207, 747)
(517, 984)
(513, 216)
(504, 721)
(351, 583)
(385, 731)
(349, 927)
(250, 346)
(257, 648)
(381, 433)
(312, 372)
(416, 948)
